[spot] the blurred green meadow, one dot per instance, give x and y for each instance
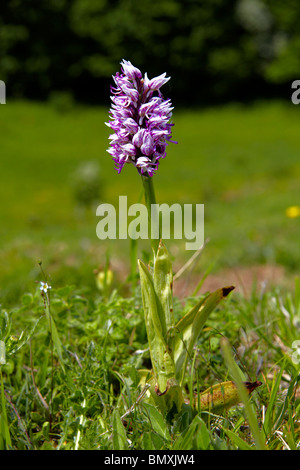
(242, 162)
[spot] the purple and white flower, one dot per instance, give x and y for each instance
(140, 118)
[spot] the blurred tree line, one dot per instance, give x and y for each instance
(214, 50)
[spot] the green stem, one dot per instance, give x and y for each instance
(5, 440)
(150, 199)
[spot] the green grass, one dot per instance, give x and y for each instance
(242, 162)
(70, 371)
(76, 399)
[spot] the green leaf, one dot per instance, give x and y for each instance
(119, 437)
(5, 325)
(5, 440)
(14, 343)
(268, 421)
(202, 436)
(236, 375)
(196, 436)
(2, 353)
(280, 416)
(187, 330)
(170, 401)
(27, 299)
(157, 421)
(54, 334)
(239, 442)
(149, 441)
(162, 361)
(163, 286)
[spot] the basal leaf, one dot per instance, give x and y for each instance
(196, 436)
(162, 362)
(163, 286)
(187, 330)
(157, 421)
(119, 437)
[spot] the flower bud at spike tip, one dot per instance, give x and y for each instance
(222, 396)
(140, 118)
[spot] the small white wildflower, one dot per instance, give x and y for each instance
(44, 287)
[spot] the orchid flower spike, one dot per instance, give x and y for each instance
(140, 118)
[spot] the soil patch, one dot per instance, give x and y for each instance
(245, 279)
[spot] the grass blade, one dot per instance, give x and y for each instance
(235, 372)
(2, 353)
(5, 440)
(54, 334)
(288, 399)
(268, 421)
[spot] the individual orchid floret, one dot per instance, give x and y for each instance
(140, 118)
